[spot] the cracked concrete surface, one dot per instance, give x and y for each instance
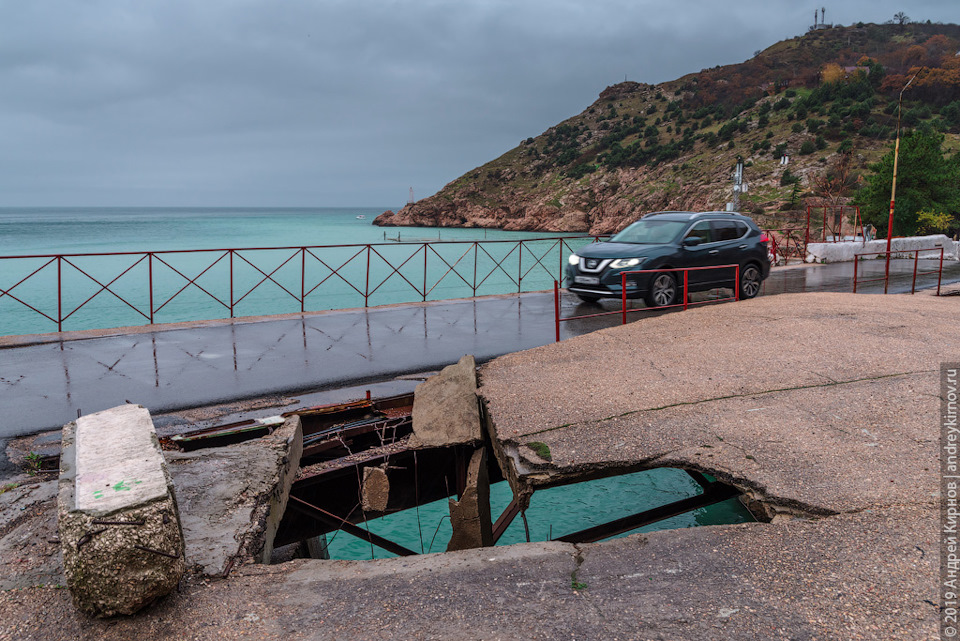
(837, 578)
(829, 408)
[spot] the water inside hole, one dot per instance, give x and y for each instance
(553, 513)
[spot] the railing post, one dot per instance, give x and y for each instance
(59, 294)
(940, 272)
(916, 263)
(856, 261)
(560, 271)
(736, 283)
(425, 272)
(520, 267)
(556, 308)
(231, 282)
(476, 254)
(886, 271)
(623, 297)
(686, 295)
(366, 287)
(150, 279)
(303, 279)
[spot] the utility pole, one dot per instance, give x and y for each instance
(738, 184)
(893, 188)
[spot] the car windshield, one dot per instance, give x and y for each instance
(650, 231)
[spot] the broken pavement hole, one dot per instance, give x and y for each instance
(586, 511)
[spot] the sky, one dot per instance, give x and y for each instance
(313, 103)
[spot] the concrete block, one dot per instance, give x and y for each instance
(845, 251)
(117, 515)
(445, 407)
(470, 516)
(232, 498)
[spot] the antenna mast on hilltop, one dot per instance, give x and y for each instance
(739, 187)
(822, 24)
(410, 199)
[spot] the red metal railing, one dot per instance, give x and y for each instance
(792, 242)
(886, 279)
(623, 295)
(787, 243)
(294, 274)
(832, 230)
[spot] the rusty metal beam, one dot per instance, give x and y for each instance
(699, 478)
(335, 521)
(505, 519)
(713, 493)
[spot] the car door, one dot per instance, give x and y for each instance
(699, 255)
(729, 243)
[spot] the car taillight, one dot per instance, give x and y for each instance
(764, 238)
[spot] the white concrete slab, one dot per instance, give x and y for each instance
(119, 461)
(845, 251)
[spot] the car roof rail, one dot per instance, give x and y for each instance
(718, 213)
(657, 213)
(697, 214)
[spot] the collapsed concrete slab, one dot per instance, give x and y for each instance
(445, 407)
(813, 431)
(119, 526)
(232, 498)
(470, 516)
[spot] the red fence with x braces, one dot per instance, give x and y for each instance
(473, 279)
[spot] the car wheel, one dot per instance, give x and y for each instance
(587, 298)
(662, 290)
(750, 281)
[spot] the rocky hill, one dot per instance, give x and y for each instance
(827, 96)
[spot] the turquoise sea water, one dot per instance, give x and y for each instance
(177, 283)
(114, 229)
(553, 513)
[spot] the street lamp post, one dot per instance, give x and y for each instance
(893, 188)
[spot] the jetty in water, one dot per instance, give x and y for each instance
(819, 411)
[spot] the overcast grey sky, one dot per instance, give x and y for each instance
(330, 102)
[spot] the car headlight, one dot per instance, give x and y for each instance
(623, 263)
(573, 259)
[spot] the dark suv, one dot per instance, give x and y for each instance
(672, 239)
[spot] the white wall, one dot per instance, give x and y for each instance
(842, 252)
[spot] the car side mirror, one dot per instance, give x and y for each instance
(691, 241)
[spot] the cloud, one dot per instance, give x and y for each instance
(253, 102)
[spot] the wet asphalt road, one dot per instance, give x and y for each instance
(44, 385)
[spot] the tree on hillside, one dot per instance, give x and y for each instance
(832, 73)
(833, 186)
(901, 18)
(926, 181)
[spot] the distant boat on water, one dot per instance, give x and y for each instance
(361, 217)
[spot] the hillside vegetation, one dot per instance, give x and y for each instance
(827, 100)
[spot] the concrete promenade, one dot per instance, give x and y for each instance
(45, 380)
